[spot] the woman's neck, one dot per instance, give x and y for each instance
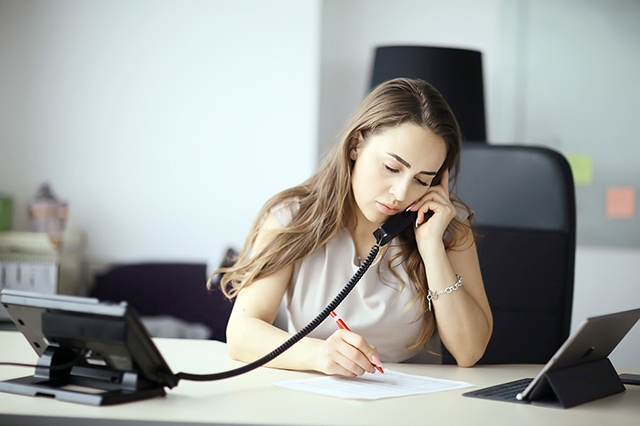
(362, 235)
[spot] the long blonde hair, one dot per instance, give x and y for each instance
(325, 200)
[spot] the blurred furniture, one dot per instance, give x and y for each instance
(50, 263)
(523, 198)
(171, 297)
(455, 73)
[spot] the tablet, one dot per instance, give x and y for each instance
(578, 372)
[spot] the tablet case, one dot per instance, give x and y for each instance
(577, 385)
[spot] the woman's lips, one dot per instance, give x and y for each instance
(387, 209)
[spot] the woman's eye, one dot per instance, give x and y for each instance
(421, 182)
(391, 169)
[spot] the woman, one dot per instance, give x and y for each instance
(307, 242)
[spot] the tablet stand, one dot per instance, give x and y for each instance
(579, 384)
(82, 382)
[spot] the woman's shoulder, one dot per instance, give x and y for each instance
(283, 212)
(272, 220)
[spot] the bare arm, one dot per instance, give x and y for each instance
(251, 335)
(463, 316)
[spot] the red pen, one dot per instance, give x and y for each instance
(343, 325)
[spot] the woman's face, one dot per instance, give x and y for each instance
(393, 168)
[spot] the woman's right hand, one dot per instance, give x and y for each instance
(346, 353)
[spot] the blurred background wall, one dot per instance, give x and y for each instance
(166, 124)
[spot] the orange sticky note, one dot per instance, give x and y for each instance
(621, 202)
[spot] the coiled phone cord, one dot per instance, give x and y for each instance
(296, 337)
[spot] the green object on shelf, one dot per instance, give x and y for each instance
(6, 212)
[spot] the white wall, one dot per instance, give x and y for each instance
(560, 73)
(580, 95)
(165, 123)
(607, 281)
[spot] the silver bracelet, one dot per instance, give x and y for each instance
(433, 295)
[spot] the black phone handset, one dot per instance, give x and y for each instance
(393, 226)
(396, 224)
(385, 233)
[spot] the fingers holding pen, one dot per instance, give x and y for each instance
(348, 354)
(370, 352)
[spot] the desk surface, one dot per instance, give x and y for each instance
(253, 399)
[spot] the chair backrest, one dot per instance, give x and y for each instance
(523, 198)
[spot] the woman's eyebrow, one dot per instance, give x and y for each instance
(407, 165)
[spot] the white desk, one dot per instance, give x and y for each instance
(252, 399)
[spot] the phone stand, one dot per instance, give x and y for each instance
(81, 382)
(579, 384)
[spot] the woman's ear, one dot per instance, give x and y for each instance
(356, 142)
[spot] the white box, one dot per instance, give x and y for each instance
(40, 262)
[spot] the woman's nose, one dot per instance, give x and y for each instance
(399, 190)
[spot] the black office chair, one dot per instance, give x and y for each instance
(525, 213)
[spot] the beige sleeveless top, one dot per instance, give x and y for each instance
(377, 308)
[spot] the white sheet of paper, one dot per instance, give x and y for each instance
(373, 386)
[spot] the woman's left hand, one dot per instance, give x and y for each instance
(436, 200)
